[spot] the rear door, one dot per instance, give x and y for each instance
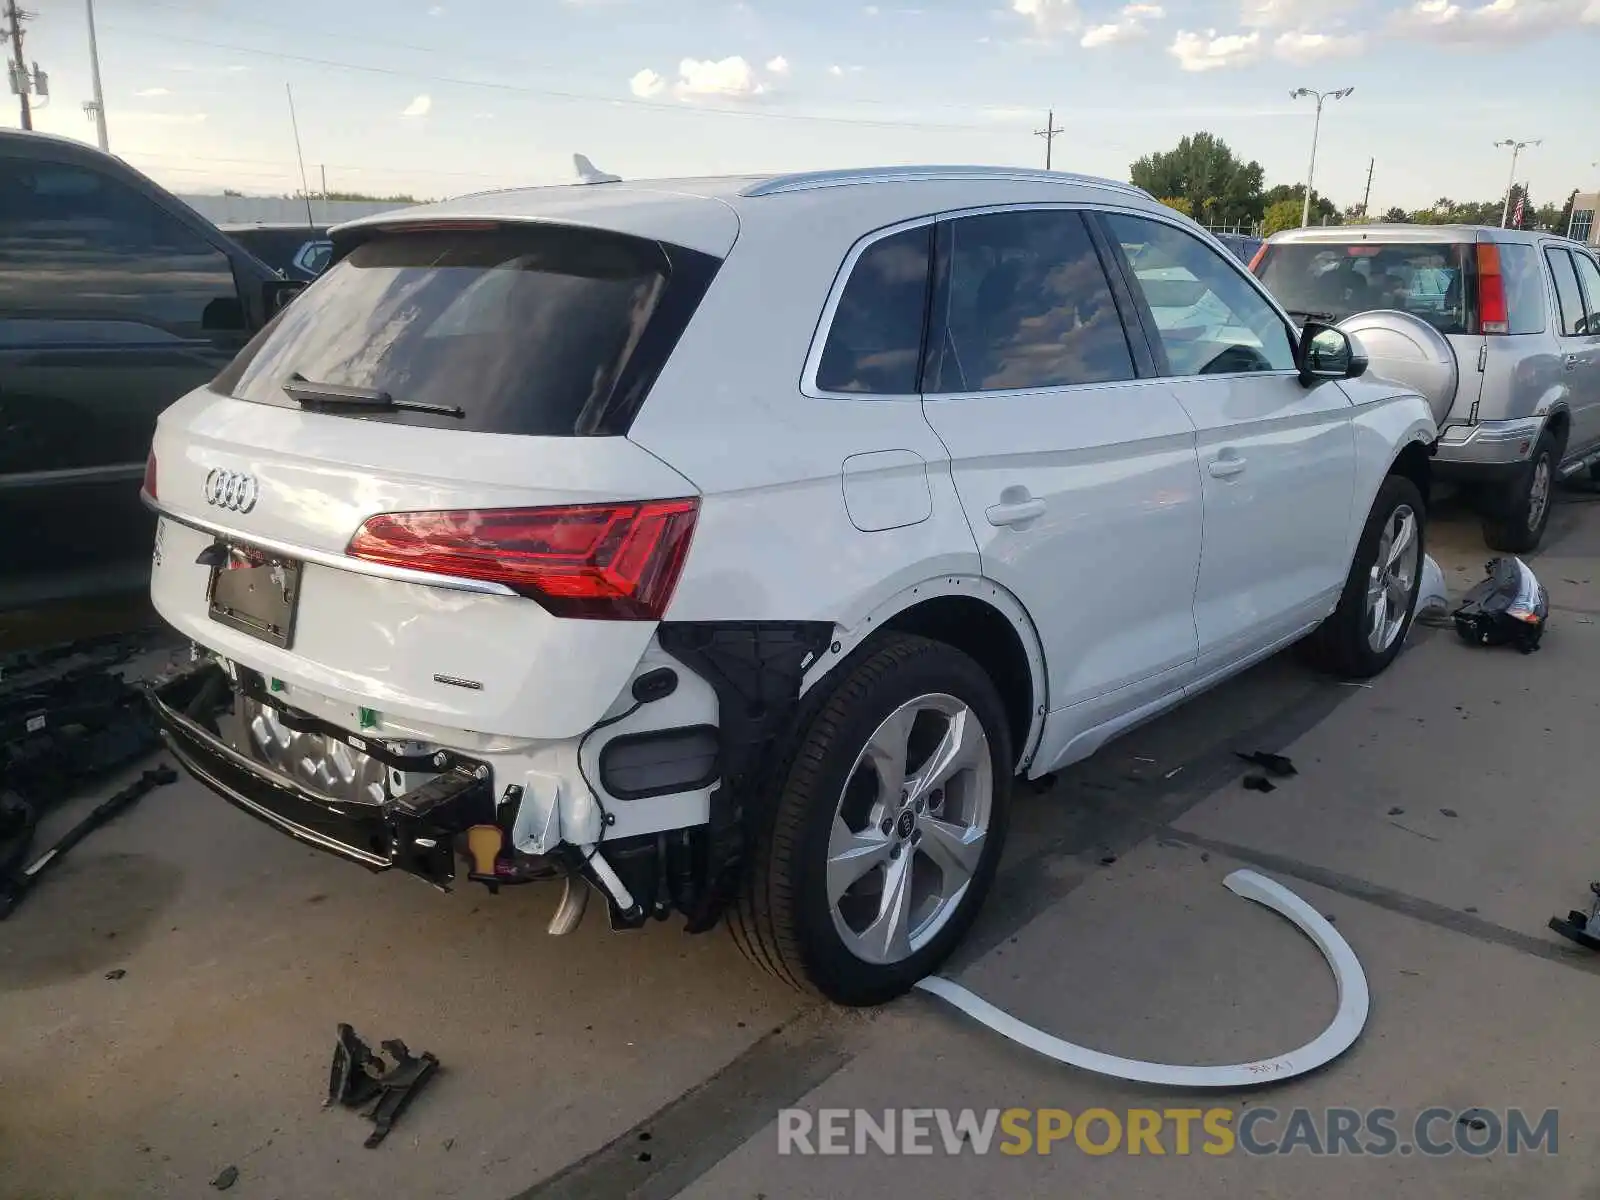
(1277, 459)
(1075, 468)
(111, 308)
(1580, 343)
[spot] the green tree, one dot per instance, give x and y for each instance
(1285, 214)
(1179, 204)
(1395, 216)
(1202, 169)
(1322, 209)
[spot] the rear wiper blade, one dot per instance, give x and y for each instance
(305, 391)
(1310, 316)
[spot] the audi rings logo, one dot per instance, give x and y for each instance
(235, 491)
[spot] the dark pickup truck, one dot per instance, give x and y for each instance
(116, 298)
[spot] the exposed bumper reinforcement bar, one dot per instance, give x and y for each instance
(415, 833)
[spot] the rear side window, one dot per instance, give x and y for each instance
(1027, 305)
(875, 342)
(1589, 278)
(77, 245)
(526, 329)
(1568, 297)
(1329, 281)
(1519, 271)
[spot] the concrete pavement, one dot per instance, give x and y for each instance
(653, 1064)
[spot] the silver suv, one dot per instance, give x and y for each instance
(1515, 370)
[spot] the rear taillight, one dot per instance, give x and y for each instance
(599, 561)
(150, 475)
(1491, 291)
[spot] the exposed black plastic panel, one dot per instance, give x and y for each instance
(660, 762)
(755, 667)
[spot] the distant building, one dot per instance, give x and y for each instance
(1584, 226)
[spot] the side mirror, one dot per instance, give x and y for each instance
(1328, 353)
(276, 294)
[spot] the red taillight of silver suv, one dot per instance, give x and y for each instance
(597, 561)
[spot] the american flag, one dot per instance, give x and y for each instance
(1516, 213)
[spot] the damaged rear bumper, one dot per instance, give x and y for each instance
(416, 832)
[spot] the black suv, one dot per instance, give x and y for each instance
(294, 251)
(116, 299)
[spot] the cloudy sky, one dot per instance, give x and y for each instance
(461, 95)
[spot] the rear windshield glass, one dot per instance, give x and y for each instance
(1329, 282)
(532, 329)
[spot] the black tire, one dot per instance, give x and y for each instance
(783, 921)
(1512, 523)
(1340, 644)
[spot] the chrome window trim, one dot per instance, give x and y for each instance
(819, 341)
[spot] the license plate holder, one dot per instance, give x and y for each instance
(255, 592)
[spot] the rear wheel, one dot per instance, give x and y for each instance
(1367, 630)
(886, 828)
(1516, 520)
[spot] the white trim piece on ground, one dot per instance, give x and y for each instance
(1333, 1041)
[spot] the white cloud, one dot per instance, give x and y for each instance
(1301, 47)
(420, 106)
(871, 10)
(778, 65)
(1049, 17)
(1496, 22)
(1276, 14)
(836, 70)
(143, 93)
(436, 11)
(646, 83)
(1209, 51)
(1129, 26)
(731, 76)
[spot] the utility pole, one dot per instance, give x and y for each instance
(1048, 133)
(1516, 149)
(18, 72)
(96, 108)
(1366, 196)
(1316, 128)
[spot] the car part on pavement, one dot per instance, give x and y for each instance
(1333, 1041)
(361, 1079)
(1433, 596)
(1582, 927)
(14, 888)
(1280, 765)
(1258, 783)
(1510, 607)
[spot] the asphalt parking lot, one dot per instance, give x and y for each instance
(654, 1064)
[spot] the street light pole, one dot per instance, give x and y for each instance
(1316, 128)
(96, 107)
(1516, 149)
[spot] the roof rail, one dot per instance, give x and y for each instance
(806, 181)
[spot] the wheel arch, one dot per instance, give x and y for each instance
(978, 617)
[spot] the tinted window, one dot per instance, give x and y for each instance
(533, 329)
(1329, 281)
(1519, 273)
(1210, 319)
(1027, 305)
(1568, 296)
(78, 245)
(1589, 277)
(875, 342)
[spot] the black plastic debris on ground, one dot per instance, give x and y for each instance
(1508, 608)
(362, 1080)
(67, 717)
(1275, 764)
(1582, 927)
(1259, 783)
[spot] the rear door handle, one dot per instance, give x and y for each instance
(1017, 512)
(1224, 468)
(1572, 362)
